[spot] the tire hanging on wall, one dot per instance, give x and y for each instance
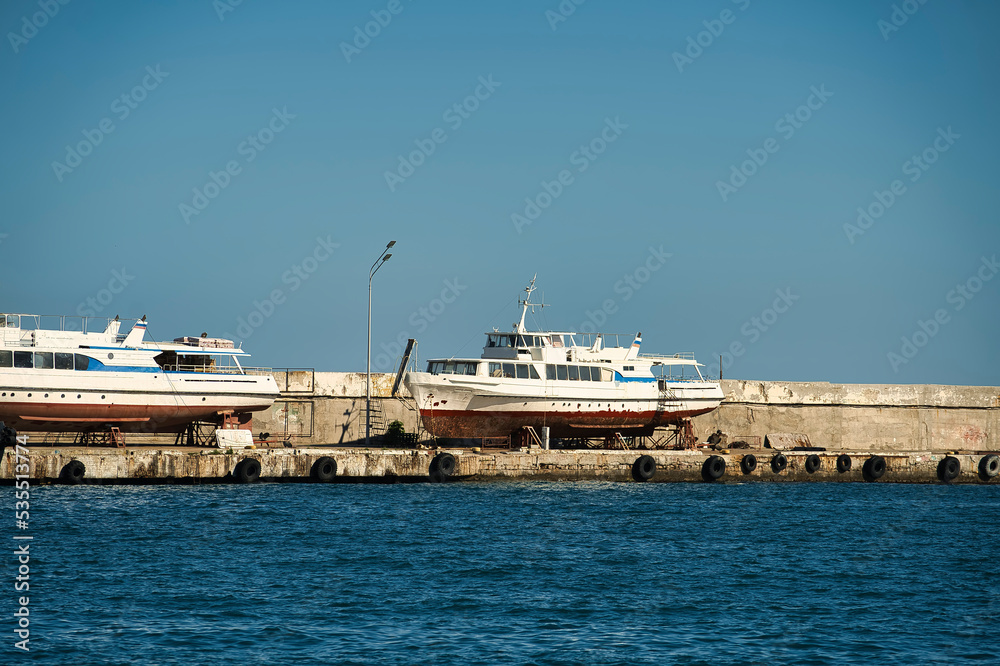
(748, 464)
(324, 470)
(442, 467)
(72, 473)
(873, 469)
(778, 463)
(247, 471)
(843, 463)
(813, 463)
(713, 468)
(643, 468)
(948, 469)
(989, 466)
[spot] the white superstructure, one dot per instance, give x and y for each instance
(55, 379)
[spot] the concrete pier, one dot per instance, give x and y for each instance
(191, 466)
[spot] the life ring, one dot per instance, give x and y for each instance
(874, 468)
(813, 463)
(72, 473)
(713, 468)
(843, 463)
(442, 467)
(643, 468)
(748, 464)
(948, 469)
(247, 471)
(324, 469)
(989, 466)
(778, 463)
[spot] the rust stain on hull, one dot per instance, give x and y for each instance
(469, 423)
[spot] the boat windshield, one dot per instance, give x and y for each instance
(452, 367)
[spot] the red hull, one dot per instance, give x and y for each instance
(470, 424)
(35, 417)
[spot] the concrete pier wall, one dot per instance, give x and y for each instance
(327, 408)
(189, 465)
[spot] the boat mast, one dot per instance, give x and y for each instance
(526, 303)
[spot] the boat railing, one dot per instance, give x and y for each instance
(78, 323)
(686, 356)
(215, 369)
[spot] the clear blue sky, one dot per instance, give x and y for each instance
(676, 129)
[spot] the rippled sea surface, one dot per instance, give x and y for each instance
(539, 573)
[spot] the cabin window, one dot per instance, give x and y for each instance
(628, 368)
(451, 368)
(23, 360)
(557, 341)
(522, 371)
(43, 360)
(606, 374)
(561, 372)
(585, 373)
(82, 362)
(550, 371)
(532, 373)
(508, 370)
(574, 373)
(13, 321)
(64, 361)
(6, 357)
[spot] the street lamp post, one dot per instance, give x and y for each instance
(382, 258)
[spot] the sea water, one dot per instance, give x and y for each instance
(533, 573)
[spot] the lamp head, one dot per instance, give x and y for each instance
(391, 243)
(386, 257)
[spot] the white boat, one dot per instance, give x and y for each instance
(53, 379)
(577, 385)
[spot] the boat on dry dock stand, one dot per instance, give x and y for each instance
(577, 385)
(54, 379)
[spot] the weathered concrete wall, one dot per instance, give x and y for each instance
(883, 417)
(178, 465)
(836, 416)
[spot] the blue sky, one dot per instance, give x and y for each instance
(644, 125)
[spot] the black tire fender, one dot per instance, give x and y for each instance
(874, 468)
(843, 463)
(72, 473)
(813, 463)
(748, 464)
(247, 471)
(948, 469)
(713, 468)
(442, 467)
(324, 469)
(643, 468)
(989, 466)
(778, 463)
